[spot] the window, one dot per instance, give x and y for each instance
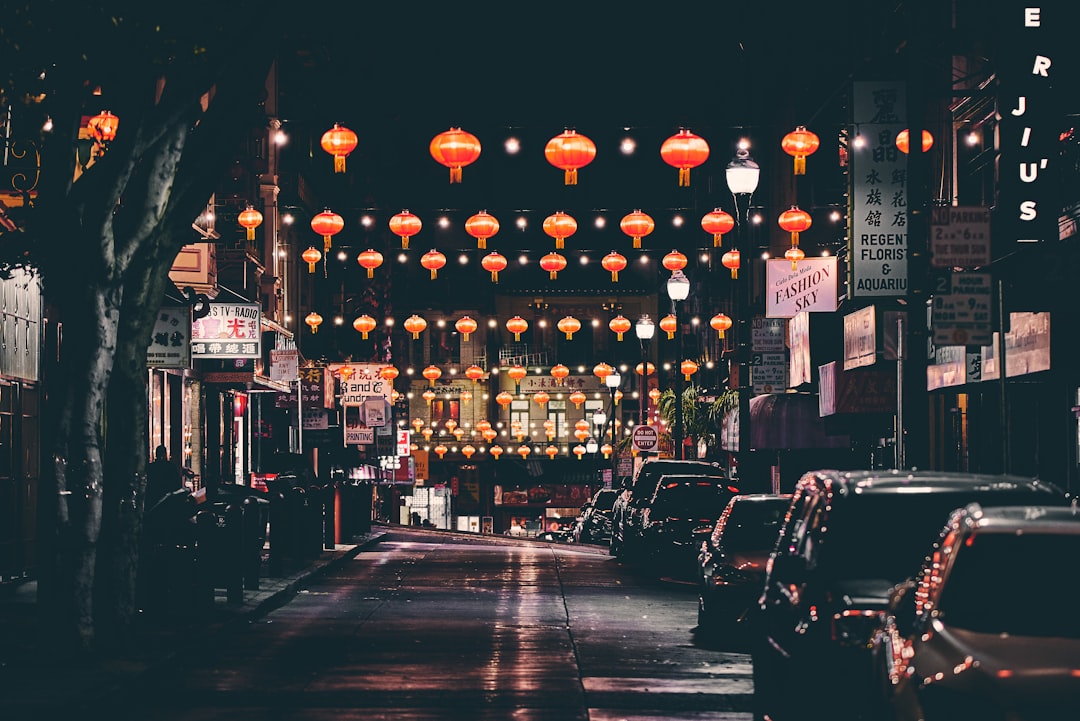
(444, 410)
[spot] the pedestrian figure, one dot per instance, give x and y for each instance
(162, 477)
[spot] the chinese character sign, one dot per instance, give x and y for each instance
(229, 330)
(170, 342)
(879, 237)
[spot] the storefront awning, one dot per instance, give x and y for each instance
(782, 421)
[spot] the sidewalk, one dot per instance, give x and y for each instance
(34, 687)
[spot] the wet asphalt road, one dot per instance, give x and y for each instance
(426, 626)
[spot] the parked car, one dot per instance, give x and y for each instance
(594, 523)
(988, 628)
(681, 504)
(635, 494)
(847, 539)
(732, 556)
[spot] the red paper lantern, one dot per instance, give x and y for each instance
(327, 224)
(364, 324)
(339, 141)
(717, 222)
(467, 451)
(606, 449)
(731, 261)
(795, 221)
(579, 451)
(389, 373)
(800, 143)
(559, 372)
(541, 398)
(504, 399)
(524, 451)
(602, 371)
(455, 149)
(496, 451)
(517, 325)
(103, 127)
(311, 256)
(433, 260)
(569, 325)
(684, 151)
(645, 368)
(613, 263)
(482, 226)
(674, 261)
(619, 325)
(432, 373)
(577, 398)
(370, 260)
(794, 254)
(441, 450)
(466, 326)
(903, 143)
(474, 373)
(688, 368)
(405, 225)
(415, 324)
(560, 226)
(669, 324)
(517, 374)
(570, 151)
(483, 425)
(720, 323)
(637, 225)
(493, 263)
(417, 423)
(250, 219)
(314, 320)
(553, 263)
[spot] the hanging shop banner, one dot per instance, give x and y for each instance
(879, 229)
(799, 342)
(403, 444)
(375, 412)
(360, 381)
(1031, 92)
(284, 365)
(960, 237)
(1027, 347)
(948, 369)
(313, 411)
(535, 383)
(170, 342)
(357, 433)
(860, 338)
(810, 287)
(229, 330)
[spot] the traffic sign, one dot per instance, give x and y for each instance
(646, 438)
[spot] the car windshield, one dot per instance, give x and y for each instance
(650, 475)
(606, 501)
(887, 535)
(754, 525)
(1013, 584)
(698, 500)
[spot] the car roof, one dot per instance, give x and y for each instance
(916, 481)
(1019, 519)
(761, 497)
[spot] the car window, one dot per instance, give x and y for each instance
(606, 501)
(650, 474)
(696, 499)
(753, 525)
(1012, 584)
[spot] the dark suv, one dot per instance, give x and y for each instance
(682, 504)
(626, 514)
(847, 539)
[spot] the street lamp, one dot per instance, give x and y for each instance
(644, 329)
(678, 289)
(612, 382)
(742, 176)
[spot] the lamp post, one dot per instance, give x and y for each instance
(644, 329)
(612, 382)
(742, 176)
(678, 289)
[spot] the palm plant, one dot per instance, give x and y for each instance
(701, 421)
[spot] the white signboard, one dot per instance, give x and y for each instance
(960, 237)
(768, 335)
(404, 446)
(357, 433)
(879, 241)
(230, 330)
(810, 287)
(284, 365)
(962, 317)
(170, 343)
(361, 381)
(768, 372)
(860, 338)
(1027, 347)
(375, 412)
